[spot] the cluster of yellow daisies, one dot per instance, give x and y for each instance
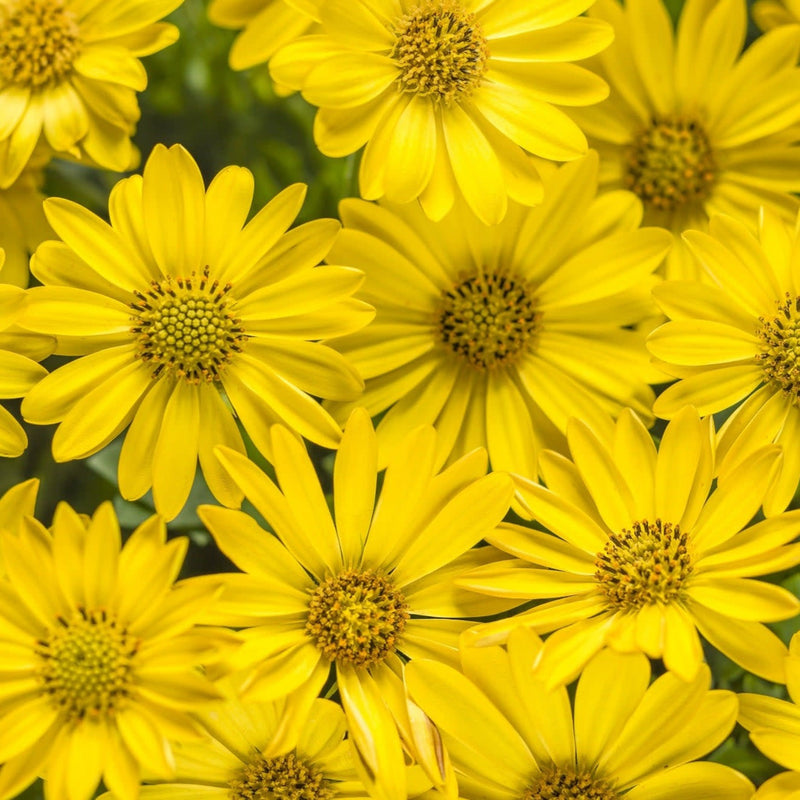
(564, 204)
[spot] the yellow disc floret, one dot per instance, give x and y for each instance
(441, 51)
(356, 617)
(186, 327)
(488, 320)
(645, 564)
(670, 164)
(561, 784)
(86, 664)
(39, 42)
(779, 339)
(283, 777)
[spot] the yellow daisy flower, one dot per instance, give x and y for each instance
(784, 786)
(267, 26)
(180, 313)
(283, 749)
(449, 96)
(19, 372)
(732, 343)
(69, 73)
(99, 652)
(693, 126)
(498, 335)
(356, 593)
(770, 14)
(642, 554)
(511, 736)
(22, 222)
(774, 727)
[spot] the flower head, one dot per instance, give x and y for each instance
(284, 749)
(356, 593)
(498, 335)
(642, 555)
(692, 125)
(177, 308)
(732, 344)
(69, 73)
(449, 96)
(510, 735)
(105, 652)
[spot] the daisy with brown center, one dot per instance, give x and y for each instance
(498, 335)
(283, 750)
(69, 73)
(733, 344)
(356, 593)
(640, 553)
(693, 125)
(449, 96)
(100, 653)
(180, 311)
(511, 737)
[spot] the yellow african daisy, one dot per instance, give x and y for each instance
(19, 370)
(770, 14)
(783, 786)
(640, 553)
(356, 593)
(99, 654)
(180, 314)
(509, 735)
(774, 727)
(69, 73)
(449, 96)
(267, 26)
(22, 222)
(498, 335)
(693, 126)
(283, 750)
(733, 343)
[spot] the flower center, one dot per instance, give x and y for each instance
(38, 42)
(488, 320)
(646, 564)
(356, 617)
(779, 339)
(86, 664)
(280, 778)
(185, 327)
(441, 51)
(560, 784)
(670, 164)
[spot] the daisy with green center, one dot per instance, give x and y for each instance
(267, 25)
(19, 370)
(99, 651)
(498, 335)
(511, 737)
(641, 555)
(774, 727)
(356, 593)
(733, 344)
(449, 96)
(283, 750)
(69, 73)
(181, 312)
(693, 125)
